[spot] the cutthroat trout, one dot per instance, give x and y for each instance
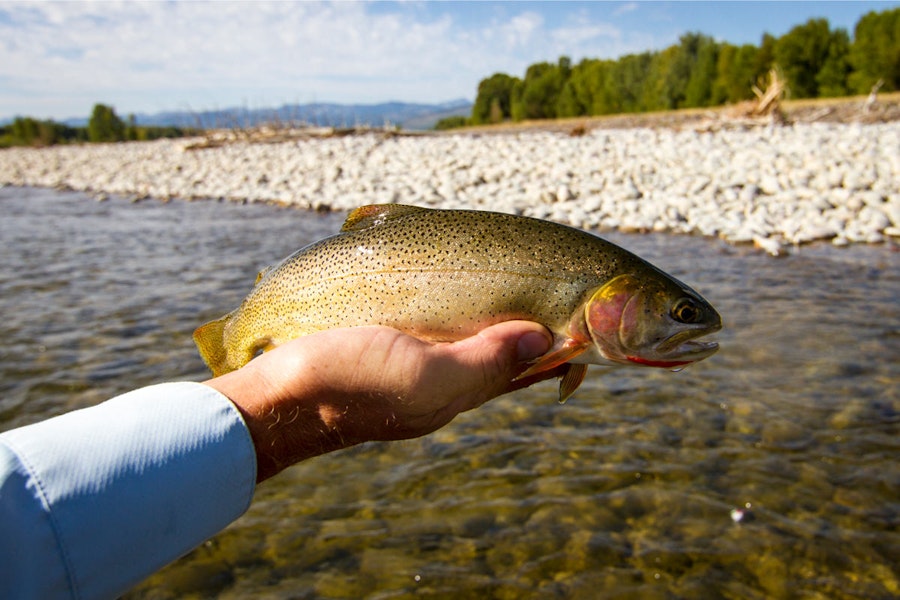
(443, 275)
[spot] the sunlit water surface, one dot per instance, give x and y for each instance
(627, 491)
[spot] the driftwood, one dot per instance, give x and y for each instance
(766, 110)
(873, 97)
(769, 102)
(276, 135)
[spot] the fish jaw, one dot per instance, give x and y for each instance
(680, 350)
(687, 353)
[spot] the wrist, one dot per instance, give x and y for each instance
(284, 430)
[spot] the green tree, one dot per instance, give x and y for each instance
(685, 80)
(451, 123)
(683, 75)
(24, 131)
(539, 93)
(765, 57)
(625, 87)
(516, 106)
(875, 52)
(27, 131)
(568, 104)
(587, 90)
(577, 96)
(699, 90)
(132, 131)
(604, 96)
(698, 71)
(651, 93)
(801, 54)
(104, 125)
(494, 101)
(832, 78)
(735, 73)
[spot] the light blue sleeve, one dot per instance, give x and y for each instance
(94, 501)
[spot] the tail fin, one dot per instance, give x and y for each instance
(210, 340)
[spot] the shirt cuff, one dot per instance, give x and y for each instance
(122, 488)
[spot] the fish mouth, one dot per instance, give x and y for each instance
(679, 350)
(686, 348)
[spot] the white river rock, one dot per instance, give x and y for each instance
(772, 186)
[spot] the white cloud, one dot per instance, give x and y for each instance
(625, 8)
(521, 29)
(222, 52)
(582, 31)
(58, 58)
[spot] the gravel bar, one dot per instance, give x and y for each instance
(772, 186)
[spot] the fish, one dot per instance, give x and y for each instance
(443, 275)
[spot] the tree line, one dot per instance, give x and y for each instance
(815, 60)
(103, 126)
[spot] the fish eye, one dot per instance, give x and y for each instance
(686, 311)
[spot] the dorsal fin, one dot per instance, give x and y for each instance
(262, 273)
(376, 214)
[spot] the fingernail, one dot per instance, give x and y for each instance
(531, 345)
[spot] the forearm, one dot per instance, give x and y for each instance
(283, 432)
(95, 500)
(286, 426)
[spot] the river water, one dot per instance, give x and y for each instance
(626, 491)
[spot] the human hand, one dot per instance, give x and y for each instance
(341, 387)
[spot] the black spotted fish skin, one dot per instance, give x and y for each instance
(440, 275)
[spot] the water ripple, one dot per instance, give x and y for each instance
(627, 488)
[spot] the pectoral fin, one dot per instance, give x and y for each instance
(569, 350)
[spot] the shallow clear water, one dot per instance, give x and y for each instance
(623, 492)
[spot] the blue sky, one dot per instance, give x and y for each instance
(59, 58)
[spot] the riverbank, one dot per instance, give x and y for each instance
(774, 186)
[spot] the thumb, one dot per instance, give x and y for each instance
(525, 339)
(484, 364)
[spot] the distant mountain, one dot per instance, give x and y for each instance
(405, 115)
